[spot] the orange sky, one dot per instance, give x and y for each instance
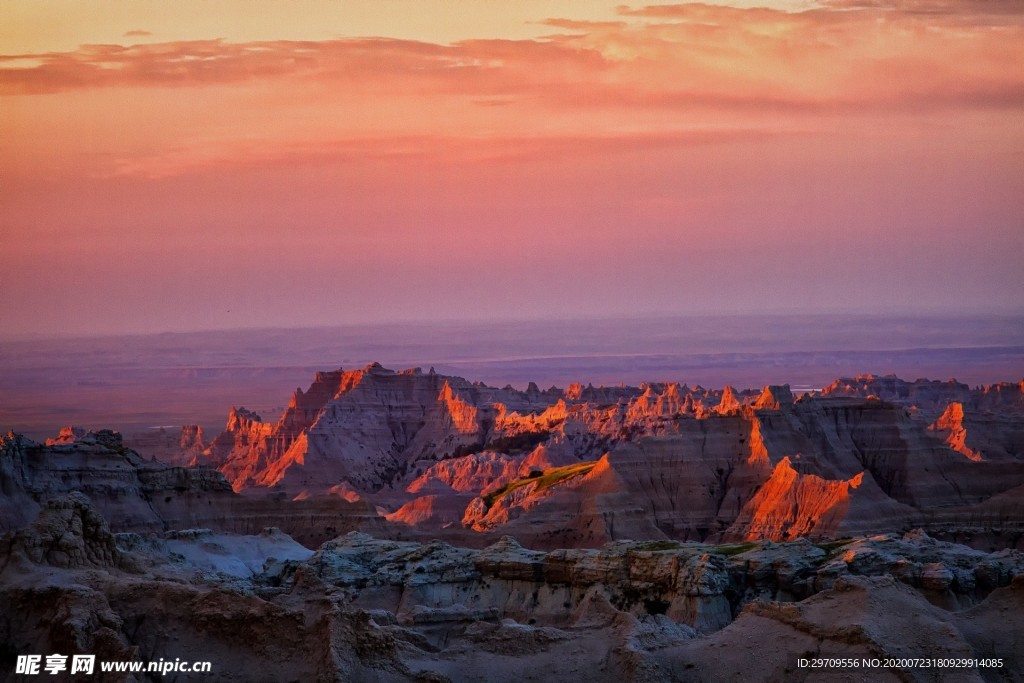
(192, 165)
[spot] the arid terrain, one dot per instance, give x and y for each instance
(410, 525)
(394, 341)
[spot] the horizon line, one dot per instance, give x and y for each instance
(7, 336)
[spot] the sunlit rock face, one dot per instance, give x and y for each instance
(951, 425)
(979, 433)
(366, 427)
(588, 465)
(373, 427)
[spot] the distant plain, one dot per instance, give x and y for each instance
(134, 383)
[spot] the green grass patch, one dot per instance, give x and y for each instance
(544, 481)
(655, 546)
(730, 549)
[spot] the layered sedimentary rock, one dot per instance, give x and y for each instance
(70, 586)
(827, 468)
(263, 607)
(127, 489)
(606, 533)
(365, 427)
(655, 461)
(931, 397)
(135, 494)
(374, 426)
(923, 393)
(418, 455)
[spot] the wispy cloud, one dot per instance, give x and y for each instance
(661, 70)
(665, 54)
(971, 8)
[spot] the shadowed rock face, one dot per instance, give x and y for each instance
(264, 608)
(141, 495)
(70, 586)
(185, 446)
(135, 493)
(68, 533)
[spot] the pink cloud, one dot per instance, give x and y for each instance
(669, 53)
(672, 71)
(969, 8)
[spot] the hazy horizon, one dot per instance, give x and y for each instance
(1011, 316)
(140, 381)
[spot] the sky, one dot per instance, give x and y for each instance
(198, 165)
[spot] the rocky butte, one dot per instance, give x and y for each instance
(411, 526)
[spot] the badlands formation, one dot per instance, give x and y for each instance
(438, 456)
(410, 526)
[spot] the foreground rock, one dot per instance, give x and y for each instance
(69, 586)
(363, 609)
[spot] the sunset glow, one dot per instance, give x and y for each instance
(318, 163)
